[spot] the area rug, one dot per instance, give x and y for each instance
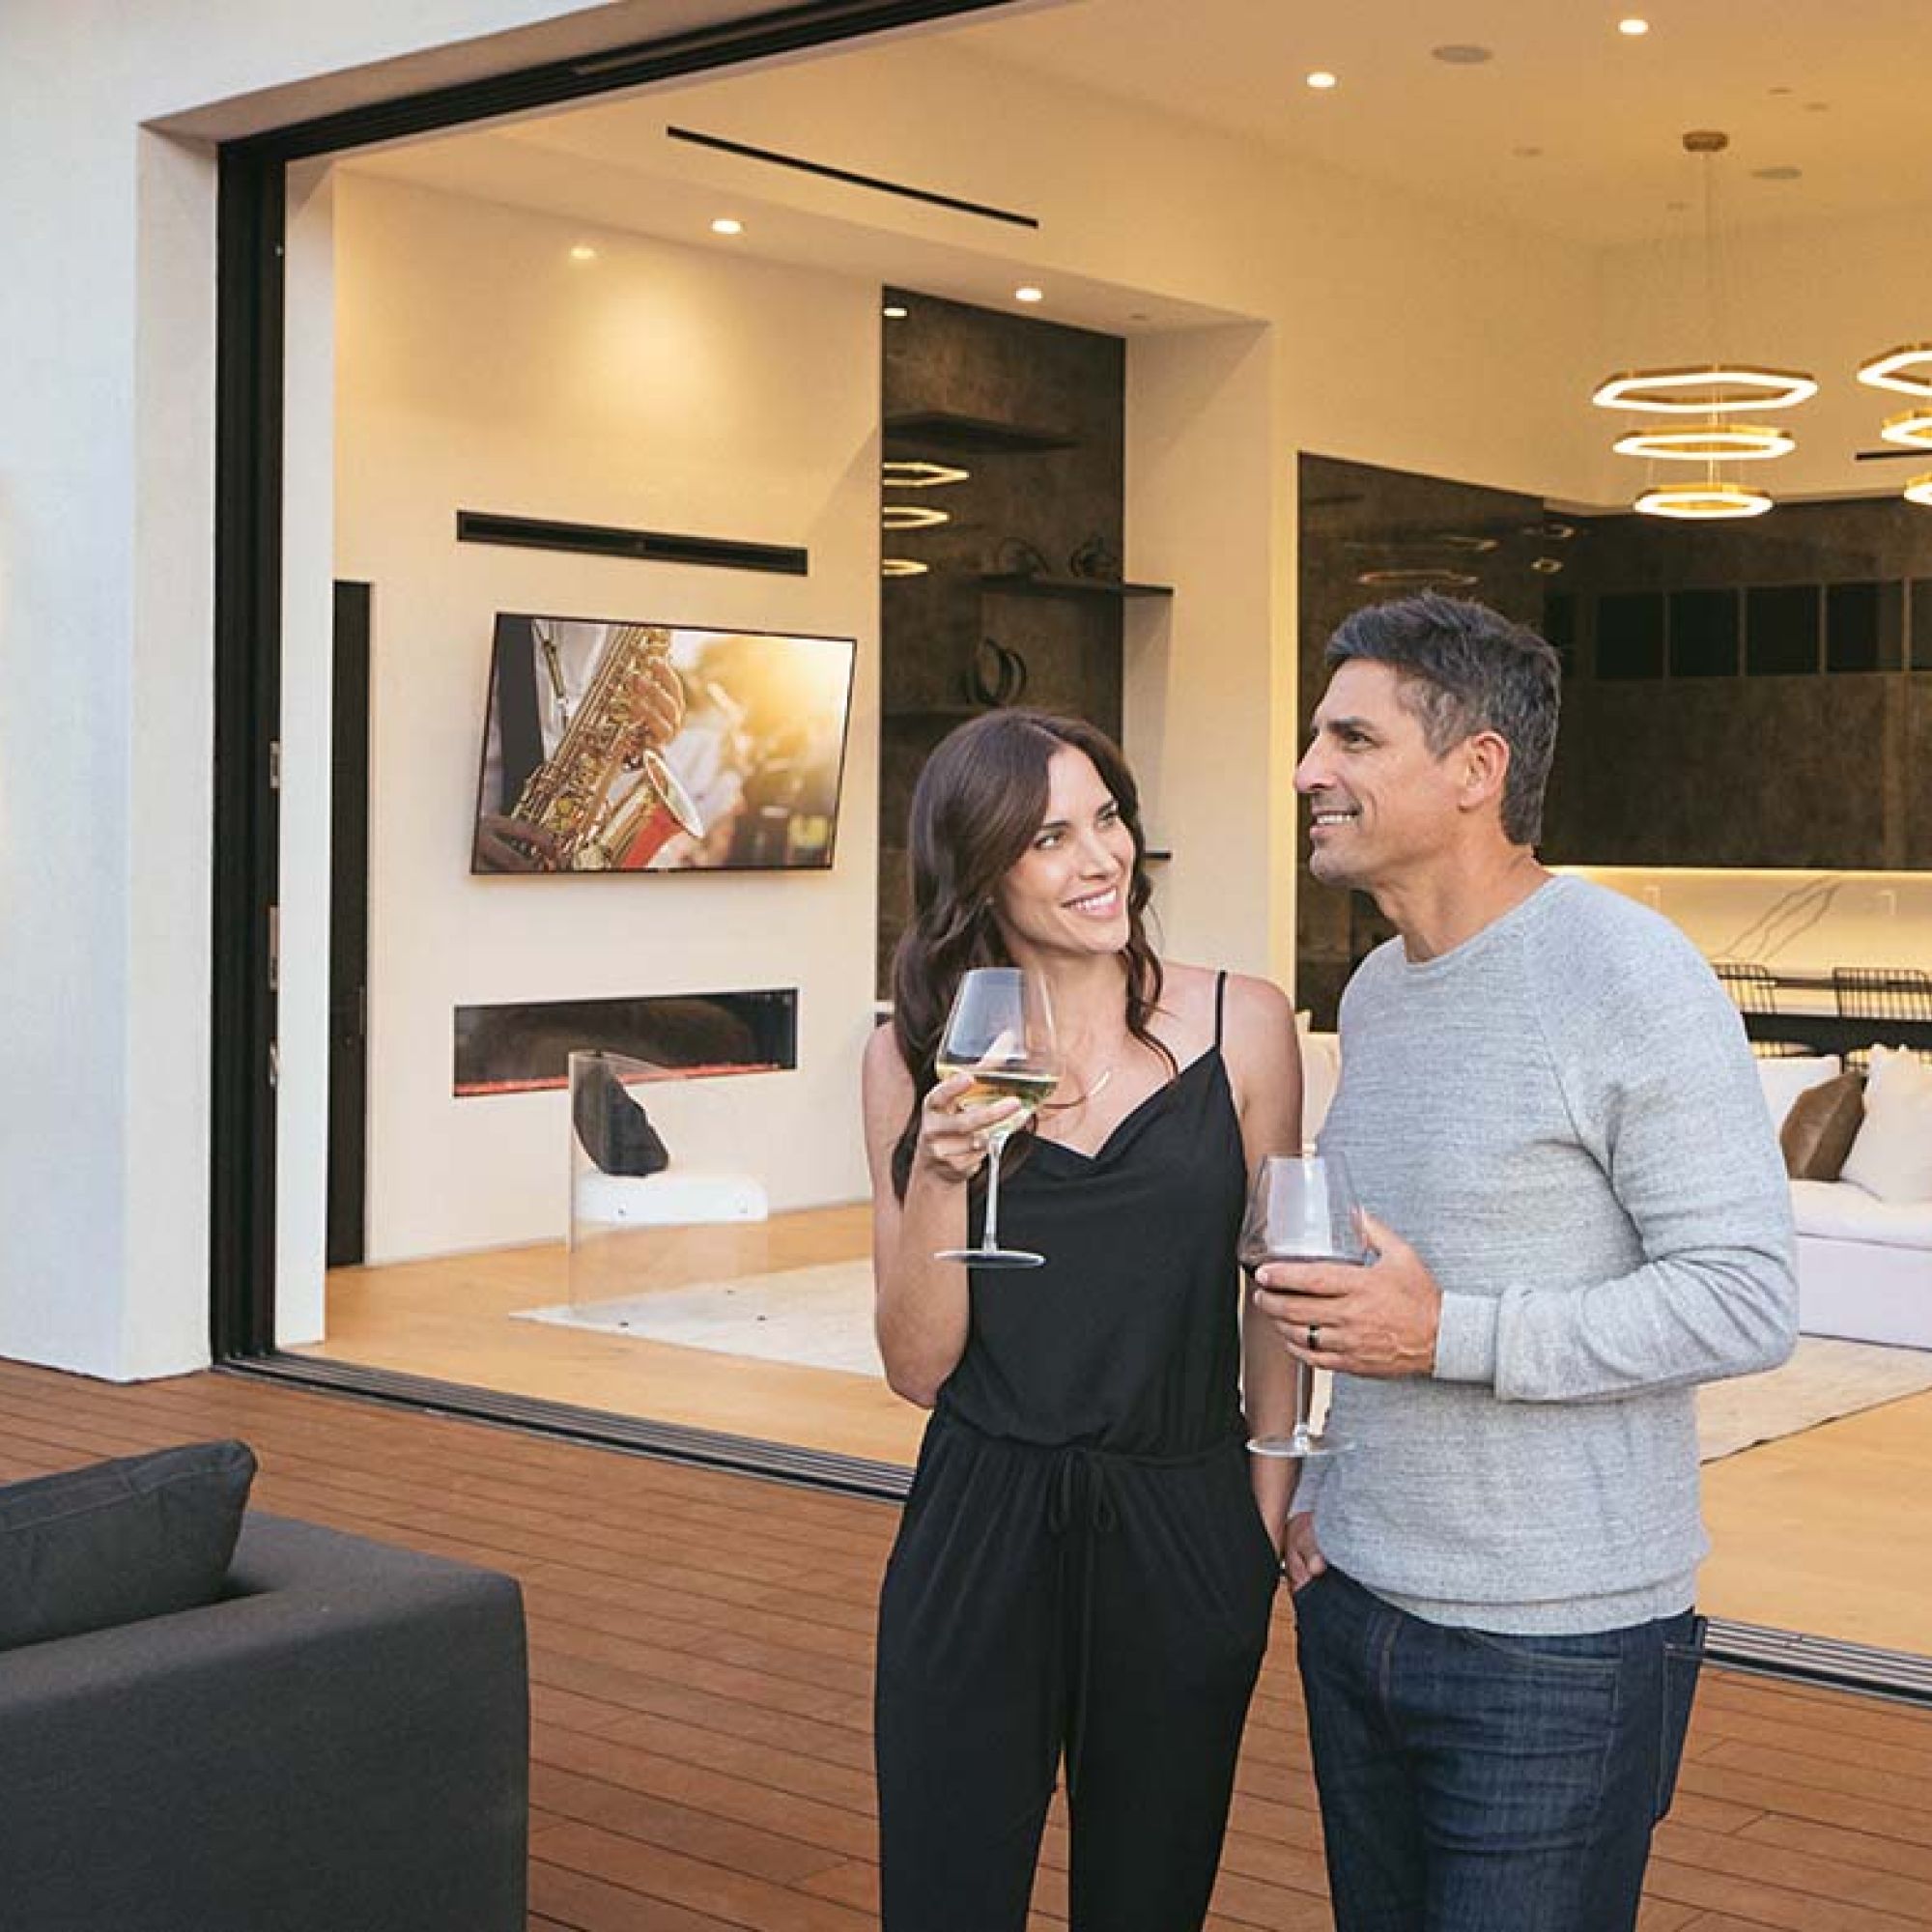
(821, 1318)
(1824, 1380)
(816, 1318)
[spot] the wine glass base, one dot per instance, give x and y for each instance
(1306, 1448)
(991, 1258)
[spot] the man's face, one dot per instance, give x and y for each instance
(1383, 806)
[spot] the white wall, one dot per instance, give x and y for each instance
(658, 387)
(1206, 512)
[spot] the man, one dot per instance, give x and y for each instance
(1579, 1213)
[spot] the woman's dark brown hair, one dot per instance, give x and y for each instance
(977, 806)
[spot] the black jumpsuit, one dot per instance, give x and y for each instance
(1081, 1569)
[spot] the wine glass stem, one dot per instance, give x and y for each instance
(989, 1235)
(1304, 1396)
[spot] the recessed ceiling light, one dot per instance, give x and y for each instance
(1459, 53)
(1322, 80)
(1817, 108)
(1677, 207)
(1527, 154)
(1633, 28)
(1777, 90)
(1781, 173)
(1028, 294)
(727, 224)
(895, 311)
(583, 252)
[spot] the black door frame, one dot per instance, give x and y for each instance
(251, 310)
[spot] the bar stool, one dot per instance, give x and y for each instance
(1880, 993)
(1754, 990)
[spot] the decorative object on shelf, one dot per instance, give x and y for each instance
(1016, 558)
(911, 516)
(997, 676)
(901, 472)
(1890, 371)
(1096, 558)
(902, 567)
(1710, 392)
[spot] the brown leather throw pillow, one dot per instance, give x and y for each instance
(1820, 1128)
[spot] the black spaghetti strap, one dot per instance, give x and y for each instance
(1220, 998)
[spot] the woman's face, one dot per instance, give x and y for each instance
(1069, 891)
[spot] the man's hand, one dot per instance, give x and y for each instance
(1301, 1555)
(1377, 1321)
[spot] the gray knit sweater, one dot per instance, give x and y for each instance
(1562, 1115)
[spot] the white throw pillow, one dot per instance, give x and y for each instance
(1783, 1080)
(1892, 1156)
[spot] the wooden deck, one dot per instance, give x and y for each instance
(702, 1662)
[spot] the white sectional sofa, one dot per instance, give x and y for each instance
(1864, 1266)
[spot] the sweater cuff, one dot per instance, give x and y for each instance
(1465, 1339)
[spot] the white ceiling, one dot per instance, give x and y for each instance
(1834, 88)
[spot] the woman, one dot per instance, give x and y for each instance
(1086, 1564)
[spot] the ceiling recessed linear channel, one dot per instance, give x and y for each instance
(771, 158)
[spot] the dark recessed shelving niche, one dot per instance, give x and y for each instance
(1021, 584)
(942, 428)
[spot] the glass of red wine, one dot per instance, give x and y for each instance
(1301, 1208)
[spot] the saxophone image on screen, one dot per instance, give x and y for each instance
(578, 796)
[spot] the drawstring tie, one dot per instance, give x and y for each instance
(1078, 1470)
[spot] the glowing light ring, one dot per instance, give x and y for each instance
(1882, 372)
(1703, 392)
(905, 473)
(910, 517)
(1911, 427)
(1703, 502)
(1920, 490)
(902, 567)
(1710, 442)
(1416, 580)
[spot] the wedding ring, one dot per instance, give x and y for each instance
(1314, 1336)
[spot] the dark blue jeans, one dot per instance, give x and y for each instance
(1473, 1782)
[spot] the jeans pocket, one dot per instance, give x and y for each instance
(1682, 1660)
(1595, 1655)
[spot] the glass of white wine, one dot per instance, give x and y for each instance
(1000, 1034)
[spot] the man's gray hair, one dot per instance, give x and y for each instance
(1466, 668)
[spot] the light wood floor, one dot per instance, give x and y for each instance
(452, 1319)
(1828, 1531)
(700, 1657)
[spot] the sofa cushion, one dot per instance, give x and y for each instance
(1892, 1156)
(1837, 1211)
(118, 1541)
(1784, 1080)
(1819, 1130)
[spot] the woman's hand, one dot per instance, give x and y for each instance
(952, 1134)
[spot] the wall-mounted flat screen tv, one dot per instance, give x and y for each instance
(614, 747)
